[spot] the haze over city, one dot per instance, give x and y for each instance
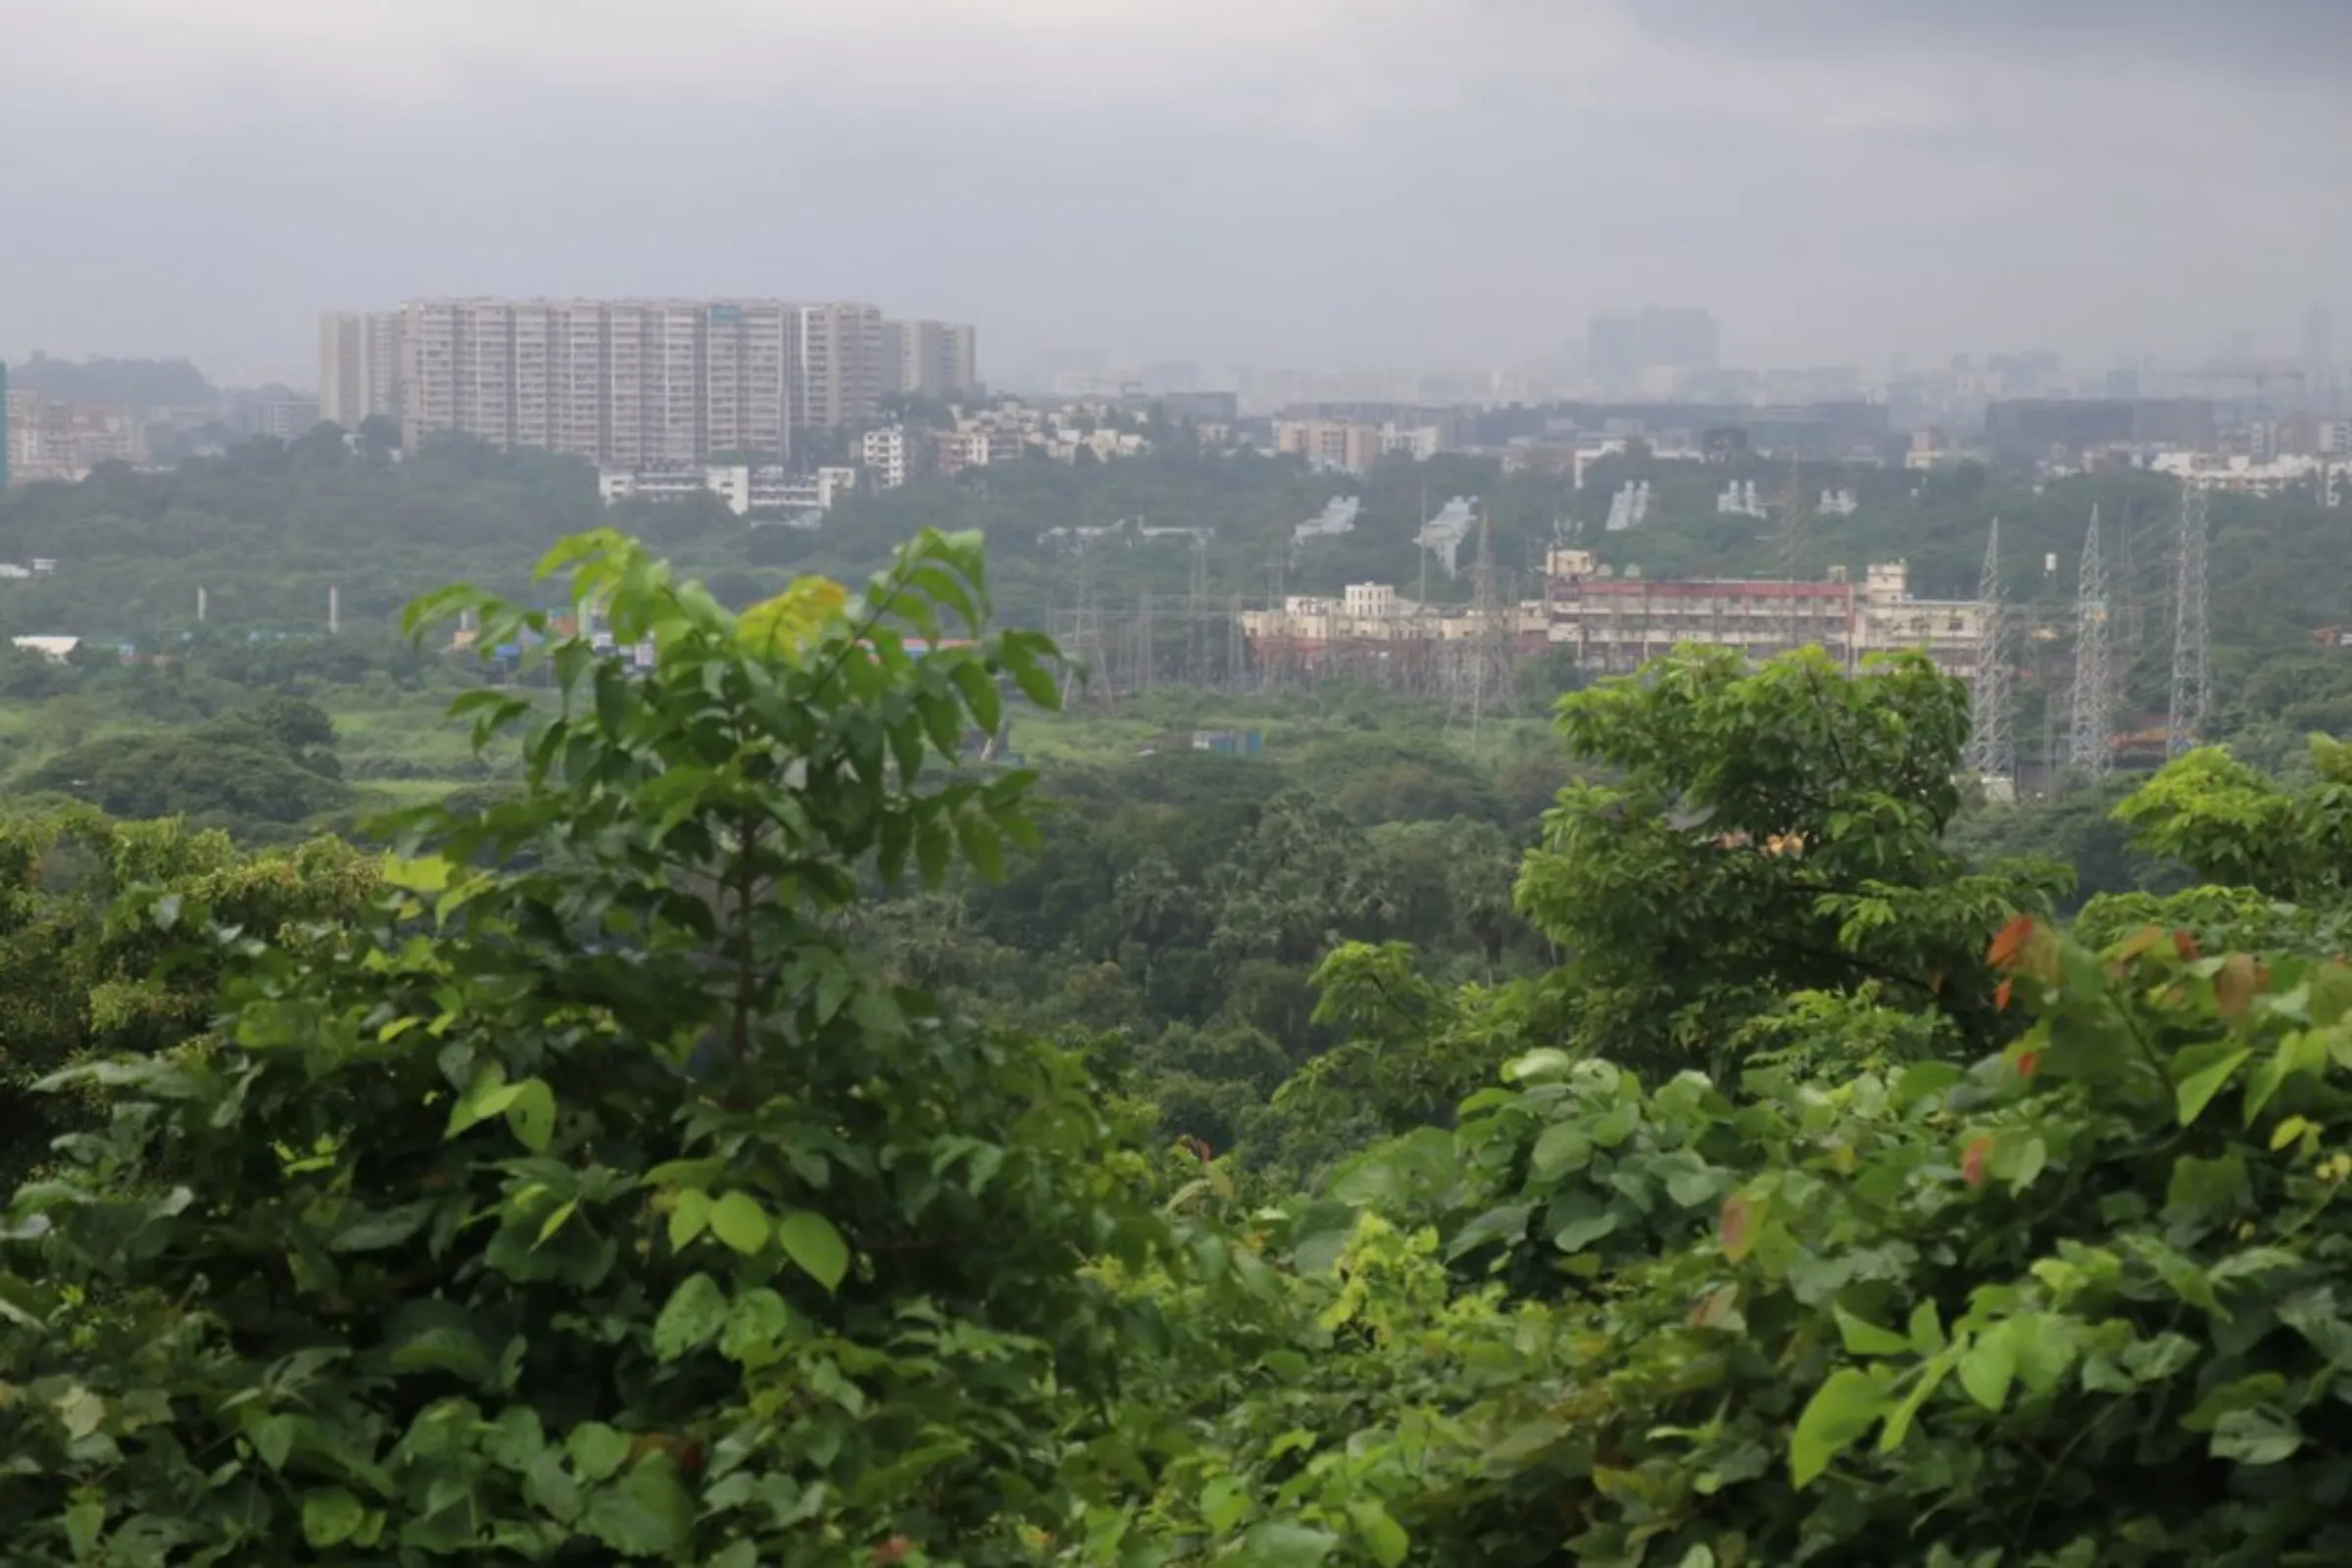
(1400, 182)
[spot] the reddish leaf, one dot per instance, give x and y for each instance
(895, 1549)
(2027, 1062)
(2234, 984)
(1972, 1162)
(1737, 1227)
(2007, 943)
(2184, 945)
(2001, 997)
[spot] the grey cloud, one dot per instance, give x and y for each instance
(1391, 181)
(2291, 37)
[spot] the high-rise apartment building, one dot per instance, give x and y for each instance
(359, 367)
(628, 384)
(836, 367)
(931, 359)
(1679, 339)
(2318, 361)
(1621, 346)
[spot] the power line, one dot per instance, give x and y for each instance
(2088, 746)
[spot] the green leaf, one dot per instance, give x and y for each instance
(549, 1487)
(1922, 1078)
(1275, 1544)
(1898, 1423)
(331, 1517)
(811, 1241)
(273, 1438)
(2195, 1090)
(738, 1220)
(1561, 1149)
(555, 1221)
(84, 1523)
(1927, 1329)
(1692, 1188)
(2044, 1345)
(934, 848)
(1508, 1223)
(1988, 1366)
(694, 1314)
(597, 1450)
(2259, 1436)
(1580, 1218)
(1868, 1339)
(1840, 1410)
(489, 1095)
(532, 1114)
(688, 1217)
(757, 1323)
(1382, 1536)
(649, 1514)
(1223, 1502)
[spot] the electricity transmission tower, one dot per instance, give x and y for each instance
(1792, 547)
(1483, 679)
(1991, 744)
(1088, 646)
(2192, 636)
(2088, 745)
(1196, 619)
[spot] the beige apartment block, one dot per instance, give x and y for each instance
(359, 367)
(626, 383)
(836, 372)
(938, 359)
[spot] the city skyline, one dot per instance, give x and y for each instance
(1836, 182)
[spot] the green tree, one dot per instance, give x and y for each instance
(1764, 833)
(597, 1196)
(80, 980)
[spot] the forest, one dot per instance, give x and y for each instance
(704, 1112)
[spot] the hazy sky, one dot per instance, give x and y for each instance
(1286, 181)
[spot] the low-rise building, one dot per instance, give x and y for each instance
(885, 453)
(2254, 476)
(746, 488)
(1614, 623)
(1341, 445)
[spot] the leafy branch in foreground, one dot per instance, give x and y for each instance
(593, 1196)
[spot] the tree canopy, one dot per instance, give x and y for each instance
(659, 1160)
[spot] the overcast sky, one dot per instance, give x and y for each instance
(1406, 182)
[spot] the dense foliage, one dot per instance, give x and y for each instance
(738, 1141)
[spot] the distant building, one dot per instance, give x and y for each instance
(746, 488)
(1650, 349)
(633, 383)
(1613, 624)
(936, 360)
(2254, 475)
(628, 384)
(837, 376)
(279, 418)
(2036, 424)
(1348, 447)
(2318, 361)
(360, 366)
(1201, 407)
(885, 453)
(55, 649)
(45, 440)
(1169, 376)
